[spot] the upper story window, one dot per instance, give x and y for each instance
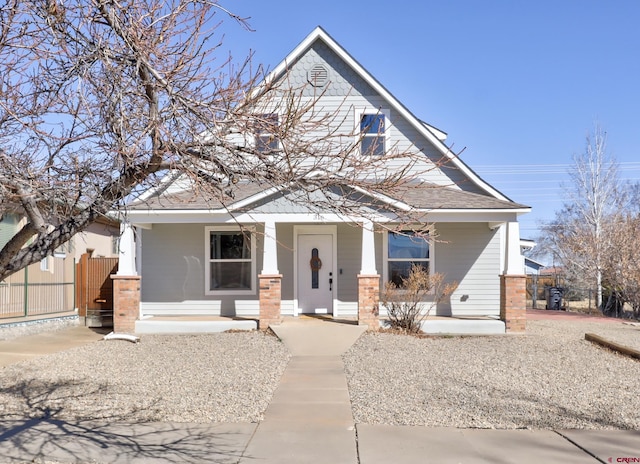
(373, 132)
(266, 133)
(231, 260)
(405, 249)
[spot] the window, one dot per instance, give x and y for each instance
(45, 264)
(266, 133)
(405, 249)
(373, 133)
(230, 265)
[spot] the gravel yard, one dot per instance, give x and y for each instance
(227, 377)
(549, 378)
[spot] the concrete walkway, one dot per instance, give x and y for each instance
(310, 413)
(30, 346)
(308, 421)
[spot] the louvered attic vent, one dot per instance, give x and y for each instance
(318, 75)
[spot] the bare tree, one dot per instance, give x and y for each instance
(579, 237)
(622, 266)
(99, 99)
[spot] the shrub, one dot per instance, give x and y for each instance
(410, 303)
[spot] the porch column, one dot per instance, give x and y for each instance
(513, 282)
(270, 280)
(368, 281)
(127, 251)
(126, 284)
(270, 252)
(514, 264)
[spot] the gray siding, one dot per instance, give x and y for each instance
(349, 264)
(342, 79)
(349, 259)
(284, 233)
(471, 257)
(346, 91)
(173, 257)
(173, 268)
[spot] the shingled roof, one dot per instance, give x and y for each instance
(434, 197)
(422, 196)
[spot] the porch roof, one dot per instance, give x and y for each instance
(421, 196)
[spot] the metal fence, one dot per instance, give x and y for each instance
(39, 290)
(540, 290)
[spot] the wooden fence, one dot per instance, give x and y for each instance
(94, 289)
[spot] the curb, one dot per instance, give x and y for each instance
(625, 350)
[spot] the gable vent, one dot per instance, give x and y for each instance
(318, 75)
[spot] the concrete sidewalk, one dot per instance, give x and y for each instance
(309, 420)
(58, 441)
(30, 346)
(93, 442)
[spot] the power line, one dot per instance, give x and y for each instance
(632, 164)
(544, 168)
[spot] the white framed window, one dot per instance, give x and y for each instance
(266, 133)
(230, 260)
(45, 264)
(402, 250)
(373, 131)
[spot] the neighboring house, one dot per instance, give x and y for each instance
(101, 239)
(193, 258)
(48, 287)
(531, 266)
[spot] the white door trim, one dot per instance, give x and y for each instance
(313, 230)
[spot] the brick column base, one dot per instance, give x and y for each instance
(513, 302)
(126, 303)
(368, 299)
(270, 300)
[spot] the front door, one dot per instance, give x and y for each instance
(315, 274)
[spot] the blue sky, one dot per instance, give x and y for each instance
(517, 84)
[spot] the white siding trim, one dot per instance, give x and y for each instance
(144, 218)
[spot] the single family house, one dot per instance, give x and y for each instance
(266, 254)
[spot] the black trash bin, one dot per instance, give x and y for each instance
(554, 297)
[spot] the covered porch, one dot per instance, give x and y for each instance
(354, 265)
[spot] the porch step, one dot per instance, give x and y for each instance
(184, 325)
(451, 326)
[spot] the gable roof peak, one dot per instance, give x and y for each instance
(435, 136)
